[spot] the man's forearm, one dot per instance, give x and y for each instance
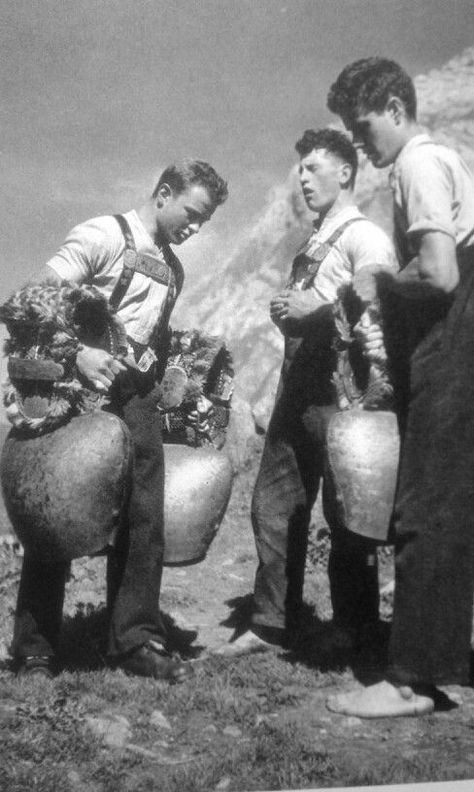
(412, 283)
(317, 318)
(321, 313)
(433, 272)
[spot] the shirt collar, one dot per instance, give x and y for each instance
(135, 220)
(414, 142)
(332, 221)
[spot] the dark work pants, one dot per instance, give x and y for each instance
(291, 470)
(134, 566)
(434, 510)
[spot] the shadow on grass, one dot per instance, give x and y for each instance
(83, 643)
(314, 642)
(240, 614)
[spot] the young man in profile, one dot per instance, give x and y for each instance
(343, 243)
(129, 260)
(433, 196)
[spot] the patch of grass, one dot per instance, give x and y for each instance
(397, 770)
(41, 729)
(253, 723)
(257, 722)
(172, 599)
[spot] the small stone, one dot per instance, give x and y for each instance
(456, 697)
(232, 731)
(160, 744)
(114, 730)
(265, 718)
(352, 721)
(159, 720)
(210, 729)
(141, 751)
(223, 784)
(7, 709)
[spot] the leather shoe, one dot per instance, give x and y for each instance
(35, 665)
(152, 660)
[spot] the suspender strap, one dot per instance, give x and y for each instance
(126, 231)
(314, 261)
(129, 261)
(340, 230)
(176, 268)
(168, 273)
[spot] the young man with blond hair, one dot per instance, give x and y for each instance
(129, 260)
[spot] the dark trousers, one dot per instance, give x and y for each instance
(286, 488)
(434, 510)
(134, 565)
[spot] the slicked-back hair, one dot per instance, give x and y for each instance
(332, 140)
(182, 175)
(367, 84)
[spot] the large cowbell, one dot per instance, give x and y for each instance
(65, 490)
(363, 444)
(362, 457)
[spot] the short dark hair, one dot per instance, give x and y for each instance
(332, 140)
(367, 85)
(190, 171)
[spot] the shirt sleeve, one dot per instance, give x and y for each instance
(426, 193)
(86, 249)
(368, 245)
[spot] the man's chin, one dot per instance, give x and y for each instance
(313, 207)
(379, 162)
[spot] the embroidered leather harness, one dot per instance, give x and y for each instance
(168, 273)
(306, 267)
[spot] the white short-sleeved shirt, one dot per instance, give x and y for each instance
(433, 190)
(360, 245)
(93, 253)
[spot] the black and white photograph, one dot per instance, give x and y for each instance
(237, 396)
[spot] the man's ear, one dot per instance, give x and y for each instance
(163, 194)
(396, 109)
(345, 177)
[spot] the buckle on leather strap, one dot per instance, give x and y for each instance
(146, 360)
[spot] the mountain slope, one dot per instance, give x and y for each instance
(234, 301)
